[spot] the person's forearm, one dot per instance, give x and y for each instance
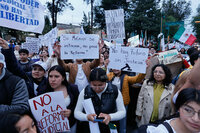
(193, 79)
(78, 114)
(121, 111)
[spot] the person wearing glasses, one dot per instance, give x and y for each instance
(107, 101)
(154, 99)
(188, 106)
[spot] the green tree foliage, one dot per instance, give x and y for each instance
(144, 16)
(179, 9)
(57, 6)
(86, 24)
(47, 26)
(175, 11)
(91, 2)
(196, 26)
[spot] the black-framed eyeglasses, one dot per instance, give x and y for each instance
(189, 111)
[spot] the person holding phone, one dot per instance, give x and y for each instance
(107, 101)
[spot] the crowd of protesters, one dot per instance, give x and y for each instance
(171, 102)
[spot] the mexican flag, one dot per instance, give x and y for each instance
(185, 36)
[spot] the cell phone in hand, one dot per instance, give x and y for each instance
(99, 119)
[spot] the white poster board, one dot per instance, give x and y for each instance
(32, 47)
(134, 41)
(169, 57)
(50, 38)
(115, 24)
(32, 40)
(24, 15)
(46, 110)
(135, 58)
(79, 46)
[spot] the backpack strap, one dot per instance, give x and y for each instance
(168, 127)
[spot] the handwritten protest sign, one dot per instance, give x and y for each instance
(132, 59)
(134, 41)
(32, 40)
(79, 46)
(25, 15)
(169, 57)
(50, 38)
(32, 47)
(115, 24)
(46, 110)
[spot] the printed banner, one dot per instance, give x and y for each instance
(115, 24)
(79, 46)
(169, 57)
(24, 15)
(46, 110)
(128, 58)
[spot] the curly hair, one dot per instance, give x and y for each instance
(168, 75)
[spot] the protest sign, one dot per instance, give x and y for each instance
(115, 24)
(134, 41)
(50, 38)
(32, 40)
(46, 109)
(128, 58)
(25, 15)
(32, 47)
(169, 57)
(79, 46)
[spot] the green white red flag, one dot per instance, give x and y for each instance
(185, 36)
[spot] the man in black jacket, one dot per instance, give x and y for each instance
(13, 91)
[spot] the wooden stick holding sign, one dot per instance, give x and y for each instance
(47, 109)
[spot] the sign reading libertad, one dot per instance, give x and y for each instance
(25, 15)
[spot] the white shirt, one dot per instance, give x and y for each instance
(67, 101)
(121, 112)
(81, 79)
(160, 129)
(116, 81)
(35, 89)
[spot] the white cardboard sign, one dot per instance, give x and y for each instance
(79, 46)
(134, 59)
(169, 57)
(115, 24)
(46, 109)
(32, 47)
(134, 41)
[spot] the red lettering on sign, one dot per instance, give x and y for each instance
(43, 101)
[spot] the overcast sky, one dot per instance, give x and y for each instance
(76, 16)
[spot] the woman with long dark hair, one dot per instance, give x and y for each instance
(188, 106)
(57, 82)
(155, 95)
